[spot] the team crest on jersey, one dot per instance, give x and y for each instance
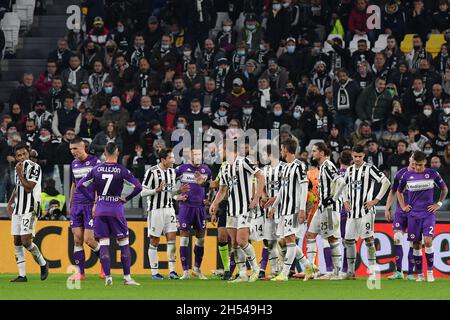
(413, 236)
(427, 176)
(183, 225)
(87, 163)
(202, 170)
(397, 224)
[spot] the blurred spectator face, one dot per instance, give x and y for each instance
(28, 80)
(153, 26)
(51, 68)
(11, 130)
(74, 62)
(89, 116)
(250, 24)
(61, 45)
(14, 139)
(379, 60)
(146, 102)
(165, 42)
(120, 26)
(392, 127)
(210, 85)
(179, 84)
(320, 112)
(444, 50)
(437, 90)
(380, 84)
(196, 107)
(44, 133)
(418, 85)
(417, 43)
(108, 87)
(30, 126)
(90, 48)
(343, 77)
(144, 66)
(110, 128)
(396, 107)
(443, 6)
(263, 46)
(320, 68)
(277, 110)
(401, 148)
(418, 5)
(361, 5)
(329, 94)
(390, 8)
(69, 135)
(233, 125)
(192, 68)
(391, 43)
(273, 67)
(120, 61)
(402, 68)
(435, 163)
(172, 106)
(69, 103)
(362, 68)
(174, 28)
(116, 101)
(131, 127)
(427, 110)
(263, 84)
(373, 147)
(250, 67)
(139, 41)
(98, 67)
(182, 123)
(84, 89)
(16, 109)
(334, 132)
(6, 119)
(57, 84)
(209, 44)
(227, 25)
(366, 131)
(424, 65)
(39, 108)
(443, 130)
(362, 46)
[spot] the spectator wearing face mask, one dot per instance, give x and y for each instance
(427, 120)
(116, 114)
(239, 58)
(249, 118)
(74, 75)
(263, 98)
(68, 117)
(416, 97)
(163, 55)
(122, 72)
(102, 99)
(277, 117)
(278, 24)
(130, 138)
(121, 36)
(154, 132)
(143, 115)
(219, 120)
(226, 38)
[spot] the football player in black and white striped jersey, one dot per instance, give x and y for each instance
(359, 201)
(326, 220)
(23, 208)
(160, 190)
(236, 178)
(291, 200)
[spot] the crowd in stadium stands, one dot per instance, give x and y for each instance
(141, 69)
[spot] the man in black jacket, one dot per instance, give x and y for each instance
(25, 95)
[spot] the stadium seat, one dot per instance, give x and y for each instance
(25, 10)
(10, 25)
(381, 43)
(353, 45)
(407, 44)
(434, 44)
(326, 46)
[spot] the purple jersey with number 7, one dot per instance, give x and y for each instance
(108, 179)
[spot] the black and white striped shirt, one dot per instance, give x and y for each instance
(152, 179)
(292, 176)
(28, 202)
(360, 185)
(238, 178)
(272, 177)
(328, 174)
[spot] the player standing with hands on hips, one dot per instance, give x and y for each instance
(360, 179)
(109, 218)
(23, 209)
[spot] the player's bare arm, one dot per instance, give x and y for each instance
(436, 206)
(217, 199)
(401, 201)
(385, 184)
(27, 185)
(72, 191)
(9, 207)
(259, 191)
(389, 201)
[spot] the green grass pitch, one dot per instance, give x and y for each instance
(93, 288)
